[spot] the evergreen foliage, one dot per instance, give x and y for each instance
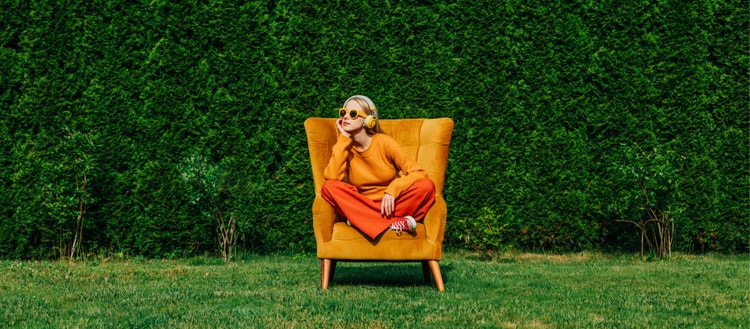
(550, 99)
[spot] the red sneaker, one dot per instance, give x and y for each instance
(404, 224)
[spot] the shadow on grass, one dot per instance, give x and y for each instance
(385, 274)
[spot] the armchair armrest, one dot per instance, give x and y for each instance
(324, 216)
(435, 220)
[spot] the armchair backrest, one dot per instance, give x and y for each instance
(427, 141)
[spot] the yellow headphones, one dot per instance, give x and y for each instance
(372, 119)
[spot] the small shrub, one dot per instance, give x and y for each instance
(650, 200)
(483, 234)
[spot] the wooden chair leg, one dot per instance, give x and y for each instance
(435, 269)
(327, 270)
(325, 273)
(333, 270)
(426, 272)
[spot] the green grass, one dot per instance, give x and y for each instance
(515, 291)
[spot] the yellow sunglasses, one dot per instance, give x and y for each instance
(353, 114)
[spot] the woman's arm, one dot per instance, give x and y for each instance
(337, 165)
(410, 170)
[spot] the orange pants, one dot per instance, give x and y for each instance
(364, 214)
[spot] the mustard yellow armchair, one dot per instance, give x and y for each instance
(427, 142)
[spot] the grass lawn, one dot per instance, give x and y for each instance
(583, 290)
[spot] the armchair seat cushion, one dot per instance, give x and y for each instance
(347, 243)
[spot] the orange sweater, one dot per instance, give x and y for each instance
(383, 167)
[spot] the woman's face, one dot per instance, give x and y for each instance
(353, 124)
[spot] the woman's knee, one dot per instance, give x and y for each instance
(423, 188)
(425, 185)
(334, 185)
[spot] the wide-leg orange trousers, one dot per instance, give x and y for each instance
(364, 214)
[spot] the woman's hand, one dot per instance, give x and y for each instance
(340, 127)
(387, 205)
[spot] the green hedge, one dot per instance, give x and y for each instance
(165, 106)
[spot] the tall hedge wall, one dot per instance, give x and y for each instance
(138, 119)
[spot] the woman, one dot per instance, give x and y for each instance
(370, 180)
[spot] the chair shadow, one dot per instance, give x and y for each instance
(388, 274)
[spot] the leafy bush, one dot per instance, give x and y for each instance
(652, 199)
(485, 234)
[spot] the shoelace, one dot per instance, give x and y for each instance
(399, 226)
